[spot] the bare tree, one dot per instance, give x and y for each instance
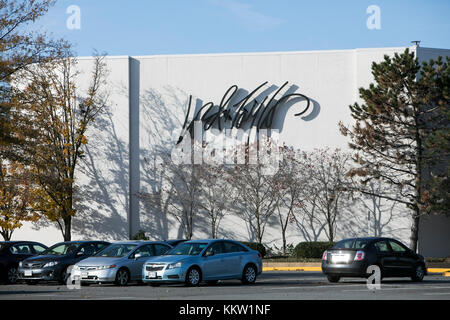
(290, 189)
(182, 184)
(255, 194)
(328, 186)
(216, 194)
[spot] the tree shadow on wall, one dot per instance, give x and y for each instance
(102, 195)
(377, 217)
(161, 120)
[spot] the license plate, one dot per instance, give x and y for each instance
(85, 274)
(152, 275)
(337, 258)
(28, 273)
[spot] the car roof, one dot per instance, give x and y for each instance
(17, 242)
(209, 240)
(367, 238)
(137, 242)
(81, 242)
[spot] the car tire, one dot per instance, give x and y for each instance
(193, 277)
(122, 277)
(12, 275)
(418, 274)
(333, 278)
(64, 277)
(249, 274)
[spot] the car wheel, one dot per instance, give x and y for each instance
(64, 277)
(249, 274)
(12, 275)
(332, 278)
(122, 277)
(193, 277)
(419, 273)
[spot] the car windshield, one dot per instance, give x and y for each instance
(116, 250)
(61, 249)
(351, 244)
(187, 249)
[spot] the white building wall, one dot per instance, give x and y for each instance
(329, 78)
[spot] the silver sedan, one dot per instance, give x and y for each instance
(119, 263)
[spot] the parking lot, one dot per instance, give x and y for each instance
(273, 285)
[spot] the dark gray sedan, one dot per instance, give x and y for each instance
(352, 258)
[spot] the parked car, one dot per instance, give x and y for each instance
(195, 261)
(13, 252)
(119, 263)
(352, 257)
(52, 264)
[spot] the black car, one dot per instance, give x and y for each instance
(52, 264)
(352, 257)
(11, 253)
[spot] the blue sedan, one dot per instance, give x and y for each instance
(195, 261)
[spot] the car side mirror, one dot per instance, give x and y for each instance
(209, 254)
(137, 256)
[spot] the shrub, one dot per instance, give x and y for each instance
(140, 236)
(311, 250)
(256, 246)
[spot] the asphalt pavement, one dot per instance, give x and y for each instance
(273, 285)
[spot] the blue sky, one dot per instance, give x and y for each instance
(147, 27)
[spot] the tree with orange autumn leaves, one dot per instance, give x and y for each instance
(20, 49)
(16, 198)
(61, 114)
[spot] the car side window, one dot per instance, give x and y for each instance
(37, 248)
(396, 247)
(100, 246)
(382, 247)
(231, 247)
(145, 251)
(88, 249)
(21, 249)
(217, 248)
(160, 249)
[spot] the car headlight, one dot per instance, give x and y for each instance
(106, 267)
(51, 264)
(20, 264)
(174, 265)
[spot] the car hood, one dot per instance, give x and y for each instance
(169, 259)
(98, 261)
(42, 259)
